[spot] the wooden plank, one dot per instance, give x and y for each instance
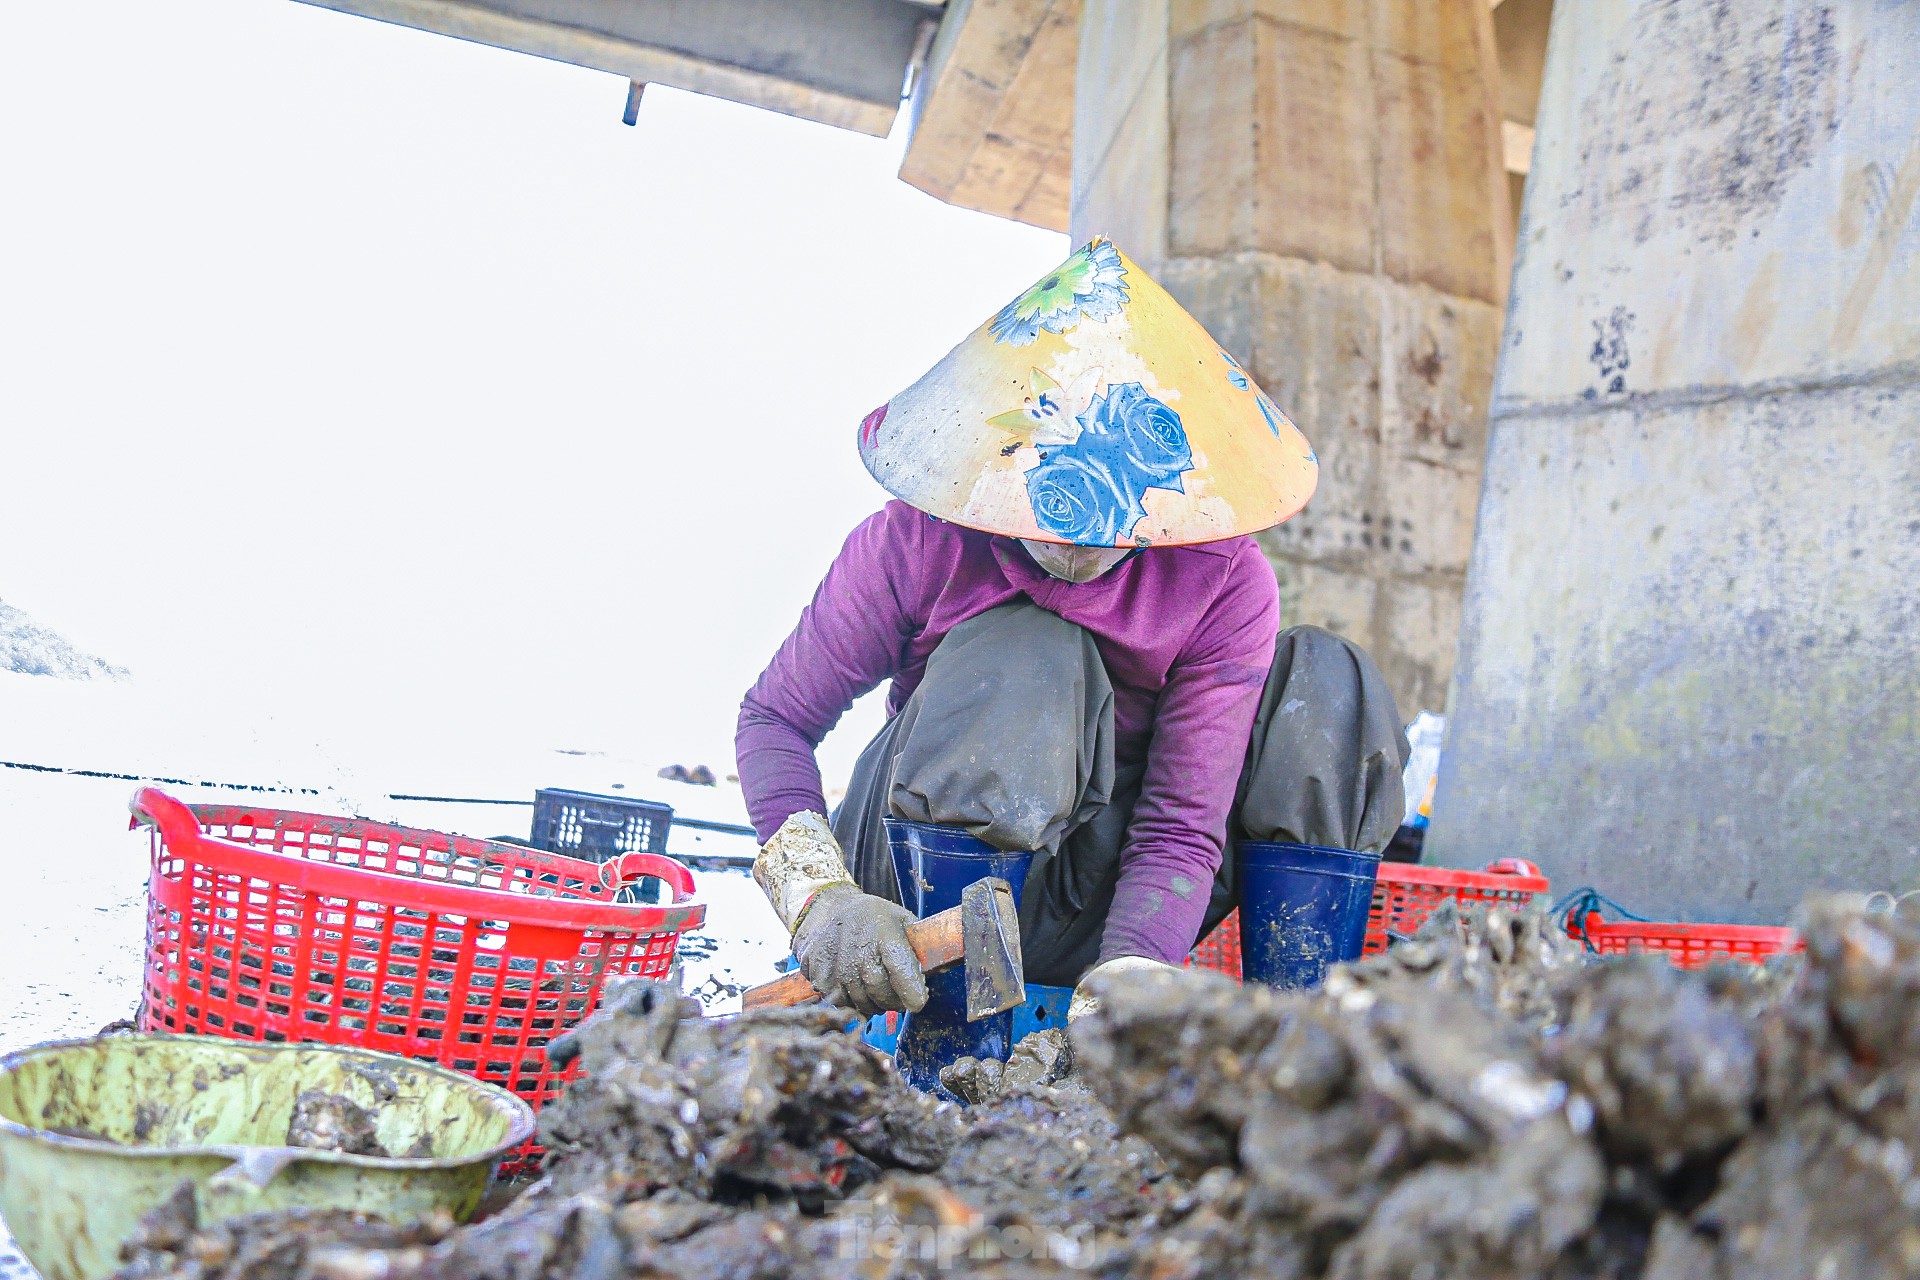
(845, 70)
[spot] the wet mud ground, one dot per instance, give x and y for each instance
(1484, 1102)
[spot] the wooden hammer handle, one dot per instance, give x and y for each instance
(936, 940)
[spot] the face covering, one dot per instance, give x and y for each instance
(1075, 564)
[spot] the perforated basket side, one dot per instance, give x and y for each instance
(1689, 946)
(1406, 894)
(596, 827)
(306, 928)
(413, 853)
(1219, 950)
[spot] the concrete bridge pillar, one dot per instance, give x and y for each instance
(1690, 671)
(1322, 185)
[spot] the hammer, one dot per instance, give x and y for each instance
(983, 933)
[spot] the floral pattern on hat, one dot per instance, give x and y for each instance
(1235, 374)
(1051, 415)
(1268, 409)
(1091, 284)
(1091, 492)
(1056, 421)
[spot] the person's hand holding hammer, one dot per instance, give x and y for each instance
(852, 946)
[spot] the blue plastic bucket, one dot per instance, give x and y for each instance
(1303, 909)
(934, 864)
(1045, 1009)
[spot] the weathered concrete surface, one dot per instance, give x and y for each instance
(1520, 35)
(1690, 665)
(1322, 186)
(992, 109)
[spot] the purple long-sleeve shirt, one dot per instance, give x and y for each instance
(1187, 635)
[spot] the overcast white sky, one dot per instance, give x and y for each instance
(378, 390)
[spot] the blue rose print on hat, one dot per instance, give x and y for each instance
(1091, 492)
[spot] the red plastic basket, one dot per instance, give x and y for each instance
(1687, 946)
(1219, 950)
(266, 924)
(1404, 895)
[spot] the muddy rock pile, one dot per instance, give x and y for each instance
(1824, 1183)
(288, 1245)
(773, 1144)
(782, 1104)
(1487, 1104)
(1486, 1101)
(1397, 1130)
(1510, 961)
(329, 1122)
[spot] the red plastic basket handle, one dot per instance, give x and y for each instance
(154, 808)
(1512, 867)
(635, 866)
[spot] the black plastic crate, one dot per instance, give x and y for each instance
(596, 828)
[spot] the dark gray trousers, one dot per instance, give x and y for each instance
(1010, 736)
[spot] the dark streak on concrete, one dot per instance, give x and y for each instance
(1708, 138)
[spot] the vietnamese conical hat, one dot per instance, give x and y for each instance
(1092, 410)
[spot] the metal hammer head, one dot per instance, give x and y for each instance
(990, 938)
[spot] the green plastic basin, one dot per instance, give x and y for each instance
(95, 1133)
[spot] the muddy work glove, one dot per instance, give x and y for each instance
(853, 948)
(851, 945)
